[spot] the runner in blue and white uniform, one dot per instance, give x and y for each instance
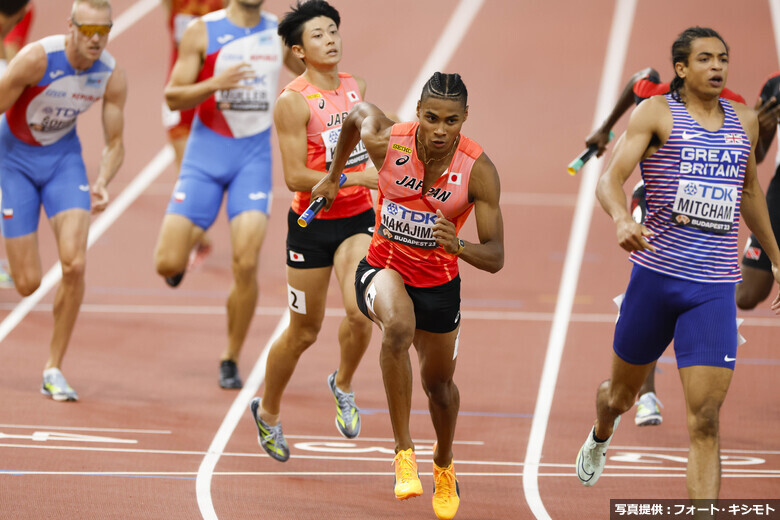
(228, 66)
(43, 91)
(697, 161)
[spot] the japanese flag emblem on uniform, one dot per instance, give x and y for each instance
(455, 178)
(296, 257)
(352, 95)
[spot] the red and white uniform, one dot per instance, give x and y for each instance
(403, 240)
(328, 109)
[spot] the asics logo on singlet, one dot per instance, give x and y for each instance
(56, 74)
(258, 195)
(224, 38)
(402, 160)
(688, 136)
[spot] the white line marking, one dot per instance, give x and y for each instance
(338, 312)
(130, 16)
(113, 430)
(441, 54)
(439, 57)
(774, 8)
(237, 410)
(152, 170)
(608, 93)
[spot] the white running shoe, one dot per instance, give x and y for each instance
(648, 410)
(592, 457)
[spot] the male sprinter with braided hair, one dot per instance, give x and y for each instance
(431, 177)
(695, 151)
(308, 117)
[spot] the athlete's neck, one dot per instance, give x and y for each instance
(704, 108)
(243, 16)
(323, 79)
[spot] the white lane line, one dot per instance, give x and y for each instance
(130, 16)
(78, 429)
(438, 58)
(608, 93)
(774, 8)
(152, 170)
(441, 54)
(237, 410)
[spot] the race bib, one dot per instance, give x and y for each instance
(706, 206)
(406, 226)
(330, 137)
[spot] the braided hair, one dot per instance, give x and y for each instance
(681, 51)
(445, 86)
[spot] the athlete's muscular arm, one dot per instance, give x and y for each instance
(113, 127)
(651, 120)
(600, 136)
(183, 90)
(365, 122)
(27, 68)
(485, 191)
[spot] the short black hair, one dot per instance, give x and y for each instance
(9, 7)
(291, 26)
(681, 51)
(445, 86)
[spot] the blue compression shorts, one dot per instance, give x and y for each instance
(700, 317)
(213, 164)
(52, 175)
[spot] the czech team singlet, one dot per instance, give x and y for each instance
(403, 239)
(47, 112)
(241, 112)
(328, 109)
(694, 189)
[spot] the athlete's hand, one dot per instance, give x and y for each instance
(327, 189)
(445, 234)
(99, 196)
(768, 114)
(776, 302)
(631, 236)
(233, 77)
(600, 137)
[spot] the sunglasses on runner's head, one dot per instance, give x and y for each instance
(91, 29)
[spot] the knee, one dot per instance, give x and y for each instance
(703, 423)
(73, 269)
(166, 263)
(26, 285)
(357, 322)
(617, 400)
(301, 338)
(746, 298)
(397, 336)
(245, 268)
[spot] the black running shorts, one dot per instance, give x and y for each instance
(316, 244)
(436, 309)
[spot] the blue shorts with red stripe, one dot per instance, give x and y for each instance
(214, 164)
(701, 318)
(30, 176)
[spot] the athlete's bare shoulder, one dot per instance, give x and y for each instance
(29, 65)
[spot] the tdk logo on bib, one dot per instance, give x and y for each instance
(407, 226)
